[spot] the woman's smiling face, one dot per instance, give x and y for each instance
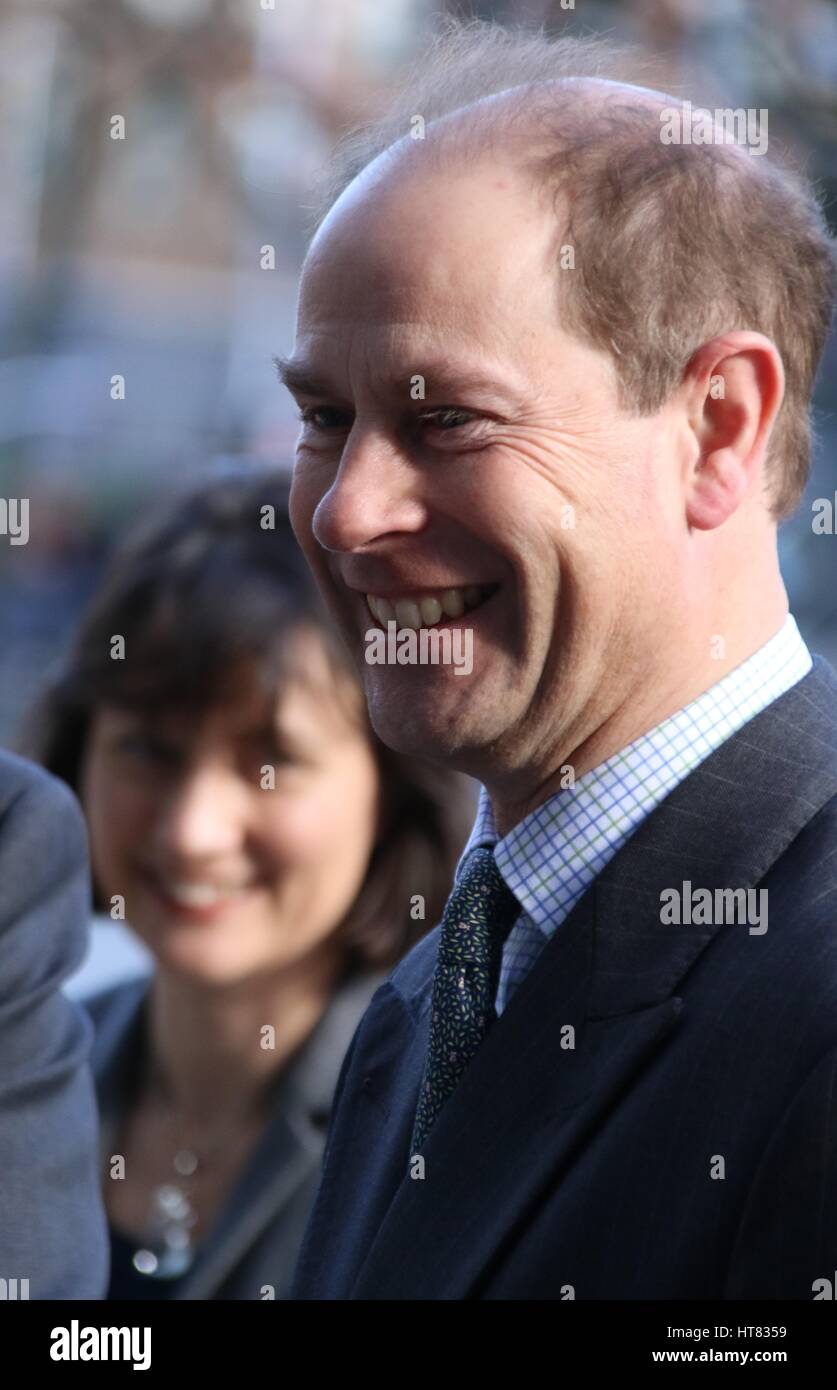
(225, 877)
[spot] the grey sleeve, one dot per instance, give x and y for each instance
(52, 1225)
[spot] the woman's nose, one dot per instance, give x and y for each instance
(204, 814)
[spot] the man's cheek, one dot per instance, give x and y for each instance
(300, 511)
(551, 461)
(303, 502)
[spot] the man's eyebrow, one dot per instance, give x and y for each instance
(439, 379)
(297, 375)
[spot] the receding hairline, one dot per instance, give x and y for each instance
(513, 124)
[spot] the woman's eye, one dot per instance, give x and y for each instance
(260, 753)
(257, 755)
(144, 748)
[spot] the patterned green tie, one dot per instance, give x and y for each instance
(478, 917)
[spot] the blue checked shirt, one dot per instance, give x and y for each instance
(552, 856)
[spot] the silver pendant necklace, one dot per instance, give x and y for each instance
(170, 1248)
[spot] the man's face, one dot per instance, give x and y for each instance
(518, 481)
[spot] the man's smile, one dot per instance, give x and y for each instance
(428, 608)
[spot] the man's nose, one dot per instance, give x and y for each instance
(375, 493)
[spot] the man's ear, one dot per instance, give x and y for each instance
(732, 389)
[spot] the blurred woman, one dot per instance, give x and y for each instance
(273, 856)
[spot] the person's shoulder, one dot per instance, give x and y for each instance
(809, 865)
(26, 787)
(807, 872)
(44, 875)
(790, 962)
(808, 710)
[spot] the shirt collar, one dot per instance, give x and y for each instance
(550, 857)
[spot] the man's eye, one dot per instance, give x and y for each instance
(323, 417)
(449, 418)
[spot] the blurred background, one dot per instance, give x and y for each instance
(169, 258)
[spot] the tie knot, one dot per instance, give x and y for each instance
(480, 874)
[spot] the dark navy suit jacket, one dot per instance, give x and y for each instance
(52, 1225)
(686, 1147)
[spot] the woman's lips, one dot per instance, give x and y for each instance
(197, 902)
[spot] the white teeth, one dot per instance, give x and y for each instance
(195, 894)
(407, 613)
(427, 611)
(453, 603)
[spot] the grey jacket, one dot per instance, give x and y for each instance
(256, 1237)
(52, 1226)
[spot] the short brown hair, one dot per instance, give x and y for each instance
(201, 592)
(675, 243)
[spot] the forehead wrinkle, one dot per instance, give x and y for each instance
(441, 374)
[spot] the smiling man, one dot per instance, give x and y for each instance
(554, 375)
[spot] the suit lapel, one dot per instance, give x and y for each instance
(529, 1101)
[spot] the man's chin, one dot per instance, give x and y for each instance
(441, 724)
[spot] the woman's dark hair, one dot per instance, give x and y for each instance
(213, 584)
